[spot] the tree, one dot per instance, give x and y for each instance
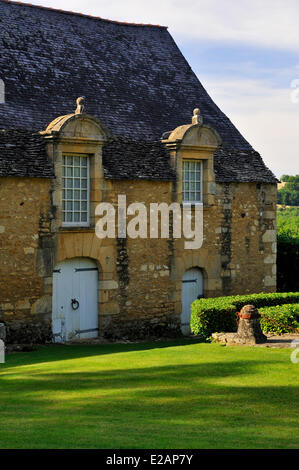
(284, 178)
(289, 194)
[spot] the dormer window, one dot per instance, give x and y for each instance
(192, 181)
(75, 190)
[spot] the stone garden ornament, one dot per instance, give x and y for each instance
(249, 329)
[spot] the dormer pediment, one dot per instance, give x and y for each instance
(77, 127)
(195, 135)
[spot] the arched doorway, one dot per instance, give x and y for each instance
(75, 300)
(192, 289)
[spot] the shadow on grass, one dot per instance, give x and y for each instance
(59, 352)
(114, 378)
(171, 406)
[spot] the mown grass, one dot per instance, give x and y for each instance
(179, 394)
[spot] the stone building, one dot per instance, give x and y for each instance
(137, 138)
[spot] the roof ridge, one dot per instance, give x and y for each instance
(13, 2)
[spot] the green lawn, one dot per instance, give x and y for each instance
(179, 394)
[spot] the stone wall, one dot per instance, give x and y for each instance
(140, 280)
(143, 292)
(25, 210)
(252, 258)
(143, 300)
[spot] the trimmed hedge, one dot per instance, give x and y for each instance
(280, 319)
(218, 314)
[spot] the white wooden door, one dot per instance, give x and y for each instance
(192, 289)
(75, 300)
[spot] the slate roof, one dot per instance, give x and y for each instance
(232, 165)
(23, 153)
(134, 78)
(135, 159)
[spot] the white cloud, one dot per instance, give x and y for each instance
(265, 115)
(270, 23)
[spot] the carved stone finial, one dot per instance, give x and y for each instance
(197, 117)
(80, 105)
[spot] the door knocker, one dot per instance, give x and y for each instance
(75, 304)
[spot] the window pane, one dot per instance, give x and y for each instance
(191, 181)
(75, 197)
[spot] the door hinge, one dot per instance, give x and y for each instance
(78, 270)
(78, 332)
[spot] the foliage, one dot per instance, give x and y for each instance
(288, 249)
(288, 225)
(280, 319)
(212, 315)
(289, 194)
(219, 314)
(287, 212)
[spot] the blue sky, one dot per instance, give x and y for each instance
(245, 53)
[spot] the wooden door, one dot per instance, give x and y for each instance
(75, 300)
(192, 288)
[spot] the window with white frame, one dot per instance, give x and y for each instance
(75, 190)
(192, 181)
